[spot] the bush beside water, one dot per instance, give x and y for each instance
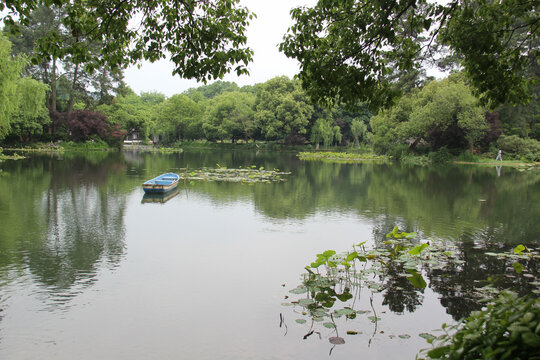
(519, 148)
(509, 328)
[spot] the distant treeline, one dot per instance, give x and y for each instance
(77, 106)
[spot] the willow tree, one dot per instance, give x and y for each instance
(21, 97)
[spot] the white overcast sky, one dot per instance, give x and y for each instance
(264, 34)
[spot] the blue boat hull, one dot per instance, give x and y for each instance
(161, 184)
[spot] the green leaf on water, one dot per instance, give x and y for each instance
(427, 336)
(301, 321)
(306, 302)
(345, 311)
(519, 249)
(351, 256)
(328, 253)
(418, 249)
(299, 290)
(416, 279)
(329, 325)
(405, 336)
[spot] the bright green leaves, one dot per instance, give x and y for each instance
(418, 249)
(416, 279)
(21, 99)
(520, 252)
(518, 267)
(397, 235)
(323, 259)
(519, 249)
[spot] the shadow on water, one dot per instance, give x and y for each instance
(159, 198)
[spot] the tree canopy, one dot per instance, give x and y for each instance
(205, 39)
(443, 113)
(348, 50)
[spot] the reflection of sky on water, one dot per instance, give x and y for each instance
(96, 273)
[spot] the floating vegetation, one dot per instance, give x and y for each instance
(153, 149)
(342, 157)
(249, 175)
(15, 156)
(164, 150)
(331, 287)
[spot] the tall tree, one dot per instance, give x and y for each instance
(283, 110)
(179, 118)
(443, 113)
(230, 116)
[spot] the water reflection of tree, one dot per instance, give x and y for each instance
(400, 294)
(458, 284)
(67, 219)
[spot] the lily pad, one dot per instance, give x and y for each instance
(306, 302)
(336, 340)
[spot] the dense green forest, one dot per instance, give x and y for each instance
(62, 81)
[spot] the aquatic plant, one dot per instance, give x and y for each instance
(341, 157)
(333, 282)
(248, 175)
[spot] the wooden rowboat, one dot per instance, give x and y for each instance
(161, 184)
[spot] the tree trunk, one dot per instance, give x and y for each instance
(53, 87)
(71, 94)
(413, 145)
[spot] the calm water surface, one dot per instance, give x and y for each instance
(90, 268)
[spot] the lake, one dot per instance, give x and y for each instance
(91, 268)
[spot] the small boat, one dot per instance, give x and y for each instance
(161, 184)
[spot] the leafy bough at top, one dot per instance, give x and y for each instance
(205, 39)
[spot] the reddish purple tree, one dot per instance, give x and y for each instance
(82, 124)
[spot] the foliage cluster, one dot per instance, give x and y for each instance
(527, 149)
(341, 157)
(92, 144)
(509, 328)
(354, 51)
(443, 113)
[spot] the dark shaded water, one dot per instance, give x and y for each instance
(90, 268)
